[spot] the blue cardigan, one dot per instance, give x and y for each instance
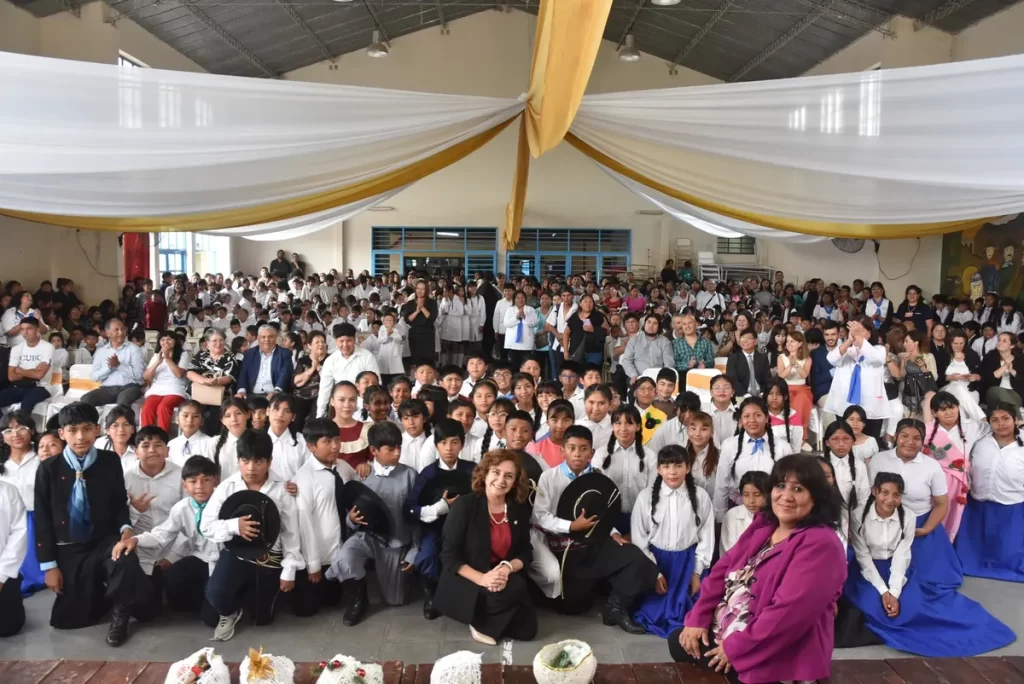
(821, 373)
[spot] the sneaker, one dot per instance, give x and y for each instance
(226, 626)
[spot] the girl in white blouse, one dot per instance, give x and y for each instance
(700, 443)
(452, 311)
(722, 408)
(851, 474)
(899, 604)
(992, 526)
(784, 421)
(673, 524)
(754, 490)
(625, 461)
(18, 466)
(752, 448)
(234, 419)
(864, 445)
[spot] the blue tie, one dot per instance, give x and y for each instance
(197, 511)
(758, 445)
(853, 396)
(519, 332)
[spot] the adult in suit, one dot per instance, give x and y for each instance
(485, 552)
(491, 297)
(266, 369)
(740, 364)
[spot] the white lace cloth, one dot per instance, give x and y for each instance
(284, 671)
(461, 667)
(181, 671)
(347, 673)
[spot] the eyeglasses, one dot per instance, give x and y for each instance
(10, 432)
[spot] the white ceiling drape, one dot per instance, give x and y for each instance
(83, 139)
(916, 145)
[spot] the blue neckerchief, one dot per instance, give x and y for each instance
(853, 395)
(79, 513)
(197, 511)
(758, 445)
(571, 475)
(829, 309)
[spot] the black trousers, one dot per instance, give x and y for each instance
(12, 610)
(303, 409)
(625, 568)
(487, 340)
(508, 613)
(306, 597)
(93, 582)
(519, 356)
(236, 583)
(675, 649)
(184, 585)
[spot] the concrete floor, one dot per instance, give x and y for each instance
(401, 634)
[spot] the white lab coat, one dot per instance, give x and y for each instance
(872, 394)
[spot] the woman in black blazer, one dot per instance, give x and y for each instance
(485, 552)
(1005, 362)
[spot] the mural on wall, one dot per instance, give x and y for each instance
(985, 259)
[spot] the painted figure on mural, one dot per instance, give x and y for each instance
(985, 259)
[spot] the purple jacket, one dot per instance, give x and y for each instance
(790, 633)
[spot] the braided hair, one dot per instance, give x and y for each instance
(485, 441)
(632, 416)
(233, 402)
(21, 419)
(741, 435)
(783, 388)
(673, 454)
(881, 479)
(851, 460)
(940, 401)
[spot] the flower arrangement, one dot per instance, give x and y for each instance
(265, 669)
(196, 671)
(202, 667)
(358, 677)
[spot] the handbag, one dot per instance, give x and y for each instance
(540, 340)
(208, 395)
(581, 350)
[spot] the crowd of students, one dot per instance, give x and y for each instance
(570, 376)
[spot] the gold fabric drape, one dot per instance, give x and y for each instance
(569, 34)
(866, 231)
(276, 211)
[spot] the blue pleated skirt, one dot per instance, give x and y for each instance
(934, 558)
(989, 542)
(33, 578)
(661, 614)
(934, 621)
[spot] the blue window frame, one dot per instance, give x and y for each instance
(399, 248)
(545, 252)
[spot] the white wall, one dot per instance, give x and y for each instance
(1000, 35)
(33, 252)
(488, 54)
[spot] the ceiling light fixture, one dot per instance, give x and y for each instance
(628, 53)
(665, 3)
(377, 48)
(342, 0)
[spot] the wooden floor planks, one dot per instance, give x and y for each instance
(1008, 670)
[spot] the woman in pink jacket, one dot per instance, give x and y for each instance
(766, 611)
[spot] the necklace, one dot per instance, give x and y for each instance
(502, 520)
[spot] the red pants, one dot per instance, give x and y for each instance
(158, 409)
(801, 400)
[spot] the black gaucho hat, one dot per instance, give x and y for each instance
(451, 481)
(596, 494)
(371, 507)
(263, 510)
(533, 470)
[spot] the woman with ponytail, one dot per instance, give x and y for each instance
(851, 475)
(625, 460)
(949, 441)
(753, 447)
(784, 420)
(992, 526)
(18, 466)
(234, 420)
(899, 604)
(674, 525)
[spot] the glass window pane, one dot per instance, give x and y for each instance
(553, 240)
(741, 245)
(553, 265)
(521, 264)
(583, 262)
(419, 239)
(584, 240)
(615, 241)
(450, 239)
(482, 238)
(613, 265)
(479, 262)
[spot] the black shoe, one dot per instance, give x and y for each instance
(358, 603)
(118, 632)
(429, 611)
(616, 612)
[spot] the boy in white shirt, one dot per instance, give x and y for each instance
(13, 547)
(498, 320)
(319, 482)
(29, 369)
(184, 581)
(476, 368)
(153, 487)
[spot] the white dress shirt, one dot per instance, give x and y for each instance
(23, 477)
(878, 538)
(478, 448)
(602, 431)
(182, 448)
(417, 452)
(498, 321)
(290, 453)
(558, 318)
(726, 484)
(512, 324)
(165, 488)
(549, 488)
(997, 473)
(227, 459)
(337, 368)
(669, 432)
(981, 346)
(922, 478)
(132, 364)
(724, 421)
(287, 544)
(624, 471)
(961, 317)
(319, 519)
(858, 483)
(479, 427)
(676, 529)
(180, 532)
(734, 524)
(13, 532)
(264, 381)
